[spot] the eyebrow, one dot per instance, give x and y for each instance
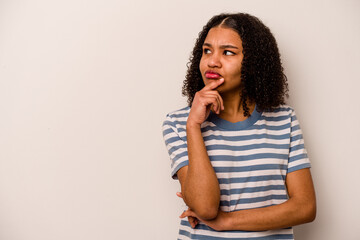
(222, 46)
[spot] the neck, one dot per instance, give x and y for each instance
(234, 111)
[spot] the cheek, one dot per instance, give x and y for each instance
(236, 70)
(201, 65)
(233, 72)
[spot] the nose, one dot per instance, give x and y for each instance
(214, 60)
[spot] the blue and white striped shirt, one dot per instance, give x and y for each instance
(251, 159)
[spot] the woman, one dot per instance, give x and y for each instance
(237, 149)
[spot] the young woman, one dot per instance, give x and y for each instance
(237, 149)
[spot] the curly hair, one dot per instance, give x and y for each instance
(262, 78)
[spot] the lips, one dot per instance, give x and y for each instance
(212, 75)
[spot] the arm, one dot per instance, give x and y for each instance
(298, 209)
(199, 184)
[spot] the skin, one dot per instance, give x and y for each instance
(199, 184)
(222, 53)
(299, 209)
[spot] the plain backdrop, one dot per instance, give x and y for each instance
(86, 85)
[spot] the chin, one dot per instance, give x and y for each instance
(220, 89)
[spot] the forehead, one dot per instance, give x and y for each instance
(221, 35)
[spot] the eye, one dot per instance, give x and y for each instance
(206, 51)
(228, 53)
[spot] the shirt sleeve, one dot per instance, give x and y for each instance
(176, 146)
(298, 158)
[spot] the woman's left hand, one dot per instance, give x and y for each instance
(217, 224)
(192, 220)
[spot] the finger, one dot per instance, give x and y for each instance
(214, 84)
(212, 108)
(179, 194)
(219, 105)
(187, 213)
(211, 99)
(184, 214)
(216, 94)
(222, 103)
(192, 221)
(192, 224)
(220, 100)
(207, 97)
(196, 222)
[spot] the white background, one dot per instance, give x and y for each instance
(85, 86)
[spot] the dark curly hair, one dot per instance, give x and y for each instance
(262, 78)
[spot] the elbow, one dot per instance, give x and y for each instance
(309, 212)
(208, 210)
(312, 213)
(207, 213)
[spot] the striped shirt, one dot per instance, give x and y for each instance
(251, 159)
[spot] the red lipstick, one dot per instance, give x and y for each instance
(212, 75)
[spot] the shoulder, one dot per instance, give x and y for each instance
(176, 120)
(283, 110)
(178, 114)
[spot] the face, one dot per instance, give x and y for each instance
(221, 58)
